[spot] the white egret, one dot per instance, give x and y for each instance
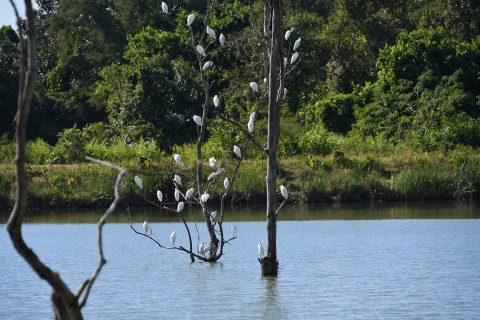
(213, 215)
(178, 180)
(180, 206)
(146, 226)
(197, 119)
(177, 194)
(216, 101)
(173, 237)
(285, 62)
(190, 19)
(265, 80)
(204, 197)
(207, 65)
(206, 249)
(297, 44)
(285, 91)
(234, 227)
(212, 161)
(177, 159)
(164, 8)
(294, 58)
(211, 33)
(200, 49)
(284, 192)
(250, 126)
(226, 183)
(189, 193)
(287, 34)
(260, 249)
(139, 182)
(237, 151)
(213, 175)
(252, 116)
(222, 39)
(202, 247)
(159, 195)
(254, 86)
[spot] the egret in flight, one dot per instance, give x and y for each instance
(197, 119)
(297, 44)
(164, 8)
(237, 151)
(284, 192)
(254, 86)
(178, 180)
(180, 206)
(222, 39)
(173, 236)
(190, 19)
(146, 226)
(177, 159)
(139, 182)
(260, 249)
(159, 195)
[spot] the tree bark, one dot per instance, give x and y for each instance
(273, 27)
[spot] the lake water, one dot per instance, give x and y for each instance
(394, 261)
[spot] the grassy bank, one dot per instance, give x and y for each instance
(368, 173)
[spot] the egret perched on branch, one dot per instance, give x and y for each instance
(159, 195)
(202, 248)
(294, 58)
(178, 180)
(164, 8)
(190, 19)
(285, 91)
(285, 62)
(254, 86)
(213, 215)
(197, 119)
(237, 151)
(139, 182)
(250, 126)
(173, 237)
(287, 35)
(146, 226)
(212, 161)
(177, 159)
(204, 197)
(200, 49)
(213, 175)
(207, 65)
(211, 33)
(226, 183)
(234, 228)
(180, 206)
(260, 249)
(284, 192)
(297, 44)
(189, 193)
(216, 101)
(222, 39)
(252, 116)
(177, 194)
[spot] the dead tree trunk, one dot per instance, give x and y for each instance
(272, 29)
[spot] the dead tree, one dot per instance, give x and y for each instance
(65, 303)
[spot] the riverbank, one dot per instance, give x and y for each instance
(367, 176)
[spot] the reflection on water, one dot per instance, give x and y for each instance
(343, 263)
(346, 211)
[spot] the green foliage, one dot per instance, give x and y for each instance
(40, 152)
(70, 147)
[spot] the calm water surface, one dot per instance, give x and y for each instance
(347, 262)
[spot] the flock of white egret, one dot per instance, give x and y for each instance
(212, 161)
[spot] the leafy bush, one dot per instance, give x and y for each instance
(39, 152)
(70, 147)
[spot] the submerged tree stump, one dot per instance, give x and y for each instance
(269, 266)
